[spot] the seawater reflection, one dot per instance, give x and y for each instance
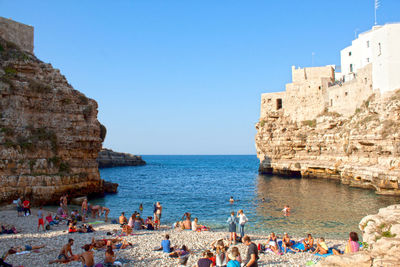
(322, 207)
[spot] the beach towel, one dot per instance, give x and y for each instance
(23, 252)
(96, 222)
(282, 249)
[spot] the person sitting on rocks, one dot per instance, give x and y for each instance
(139, 223)
(308, 243)
(122, 219)
(322, 248)
(187, 223)
(63, 255)
(8, 229)
(351, 246)
(166, 245)
(198, 227)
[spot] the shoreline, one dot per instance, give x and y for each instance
(141, 254)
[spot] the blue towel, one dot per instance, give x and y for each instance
(288, 250)
(327, 254)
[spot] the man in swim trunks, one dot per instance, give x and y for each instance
(100, 243)
(63, 255)
(122, 219)
(84, 209)
(287, 244)
(87, 256)
(95, 211)
(14, 250)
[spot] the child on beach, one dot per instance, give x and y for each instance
(235, 260)
(40, 219)
(110, 258)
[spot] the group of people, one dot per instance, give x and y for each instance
(136, 222)
(219, 254)
(23, 207)
(186, 223)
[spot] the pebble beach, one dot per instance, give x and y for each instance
(140, 254)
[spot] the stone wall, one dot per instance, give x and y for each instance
(305, 97)
(49, 133)
(18, 33)
(347, 97)
(362, 150)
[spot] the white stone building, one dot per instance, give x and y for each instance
(379, 46)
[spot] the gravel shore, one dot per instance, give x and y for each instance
(141, 254)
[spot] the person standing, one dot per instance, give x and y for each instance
(252, 252)
(242, 221)
(84, 209)
(141, 208)
(158, 213)
(40, 219)
(19, 207)
(65, 203)
(27, 207)
(232, 221)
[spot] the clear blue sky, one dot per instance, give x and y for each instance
(185, 77)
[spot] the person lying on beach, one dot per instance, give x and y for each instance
(63, 255)
(109, 258)
(8, 229)
(272, 243)
(183, 251)
(308, 243)
(87, 257)
(105, 211)
(122, 219)
(123, 245)
(18, 249)
(206, 260)
(287, 244)
(100, 243)
(198, 227)
(322, 248)
(351, 246)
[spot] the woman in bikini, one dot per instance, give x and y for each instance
(272, 243)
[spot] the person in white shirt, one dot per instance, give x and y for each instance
(242, 221)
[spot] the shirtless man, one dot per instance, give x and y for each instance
(231, 200)
(87, 257)
(106, 211)
(84, 209)
(287, 244)
(63, 255)
(122, 219)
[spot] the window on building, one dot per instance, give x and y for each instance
(367, 43)
(367, 59)
(379, 49)
(351, 67)
(331, 102)
(350, 53)
(345, 93)
(269, 100)
(278, 103)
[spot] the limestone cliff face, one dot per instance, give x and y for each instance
(362, 150)
(108, 158)
(49, 133)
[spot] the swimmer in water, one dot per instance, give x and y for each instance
(286, 210)
(263, 200)
(231, 200)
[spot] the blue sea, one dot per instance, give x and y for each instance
(202, 185)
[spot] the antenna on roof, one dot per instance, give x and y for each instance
(377, 4)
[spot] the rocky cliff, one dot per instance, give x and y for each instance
(362, 150)
(108, 158)
(49, 133)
